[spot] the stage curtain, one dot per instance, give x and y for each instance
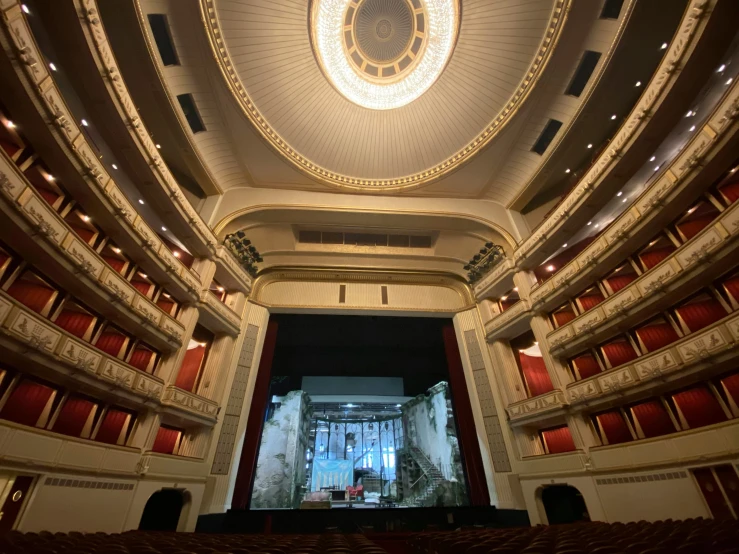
(563, 317)
(614, 427)
(33, 295)
(699, 407)
(115, 263)
(166, 440)
(74, 322)
(140, 358)
(73, 416)
(731, 192)
(703, 313)
(586, 365)
(142, 287)
(653, 257)
(26, 403)
(558, 440)
(505, 304)
(657, 335)
(191, 363)
(536, 374)
(731, 285)
(695, 226)
(712, 493)
(590, 301)
(620, 281)
(112, 426)
(653, 419)
(731, 384)
(619, 352)
(110, 342)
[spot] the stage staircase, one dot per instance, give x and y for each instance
(433, 475)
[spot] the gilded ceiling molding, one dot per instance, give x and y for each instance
(385, 277)
(552, 35)
(221, 225)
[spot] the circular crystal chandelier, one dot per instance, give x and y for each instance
(383, 54)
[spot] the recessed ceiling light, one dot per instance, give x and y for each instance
(624, 200)
(167, 295)
(550, 268)
(733, 170)
(613, 117)
(503, 298)
(158, 145)
(221, 289)
(85, 218)
(141, 201)
(176, 254)
(731, 80)
(144, 275)
(567, 170)
(597, 225)
(590, 222)
(52, 67)
(638, 83)
(664, 45)
(590, 145)
(164, 228)
(619, 193)
(692, 128)
(690, 112)
(10, 125)
(721, 68)
(50, 178)
(114, 166)
(84, 122)
(656, 168)
(25, 8)
(691, 210)
(116, 250)
(652, 158)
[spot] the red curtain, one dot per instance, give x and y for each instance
(73, 416)
(699, 407)
(142, 287)
(191, 363)
(620, 281)
(614, 427)
(140, 358)
(165, 304)
(563, 317)
(85, 234)
(115, 263)
(731, 285)
(558, 440)
(731, 192)
(653, 257)
(505, 304)
(657, 335)
(590, 301)
(586, 365)
(695, 226)
(653, 418)
(619, 352)
(112, 426)
(712, 493)
(33, 295)
(50, 196)
(74, 322)
(110, 342)
(26, 403)
(536, 374)
(731, 383)
(703, 313)
(166, 440)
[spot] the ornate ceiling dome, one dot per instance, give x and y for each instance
(381, 94)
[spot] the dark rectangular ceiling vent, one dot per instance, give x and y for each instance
(160, 30)
(611, 9)
(583, 73)
(364, 239)
(546, 136)
(191, 112)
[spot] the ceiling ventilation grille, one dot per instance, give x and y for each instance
(546, 137)
(611, 9)
(163, 38)
(584, 71)
(187, 103)
(364, 239)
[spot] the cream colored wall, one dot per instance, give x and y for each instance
(144, 489)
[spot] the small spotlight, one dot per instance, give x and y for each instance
(733, 170)
(567, 170)
(158, 146)
(624, 200)
(656, 168)
(515, 289)
(397, 405)
(221, 289)
(638, 84)
(691, 210)
(166, 295)
(550, 268)
(731, 80)
(596, 225)
(85, 218)
(721, 68)
(590, 222)
(503, 298)
(141, 201)
(52, 67)
(664, 46)
(164, 229)
(114, 166)
(692, 128)
(690, 112)
(613, 117)
(116, 250)
(590, 145)
(652, 158)
(85, 123)
(10, 125)
(50, 178)
(25, 8)
(564, 245)
(620, 193)
(176, 253)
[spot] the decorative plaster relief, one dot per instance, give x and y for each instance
(189, 401)
(28, 53)
(81, 357)
(148, 385)
(589, 320)
(44, 220)
(542, 403)
(120, 289)
(11, 185)
(699, 248)
(657, 278)
(621, 302)
(90, 162)
(654, 366)
(117, 373)
(120, 203)
(5, 307)
(614, 381)
(582, 390)
(83, 256)
(654, 195)
(620, 228)
(589, 256)
(730, 219)
(733, 326)
(33, 330)
(721, 119)
(539, 292)
(565, 275)
(703, 346)
(146, 309)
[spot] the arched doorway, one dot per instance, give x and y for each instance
(162, 511)
(564, 504)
